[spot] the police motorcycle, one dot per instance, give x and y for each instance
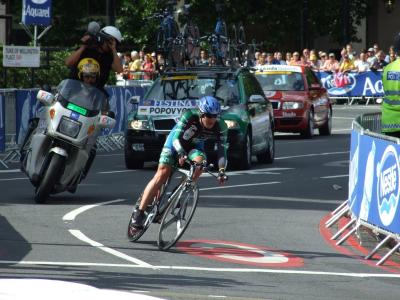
(57, 154)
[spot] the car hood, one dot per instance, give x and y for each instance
(286, 95)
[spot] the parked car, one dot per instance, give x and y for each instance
(300, 102)
(245, 109)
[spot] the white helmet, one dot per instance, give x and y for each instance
(112, 31)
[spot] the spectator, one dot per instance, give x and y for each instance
(351, 52)
(315, 64)
(323, 57)
(331, 64)
(391, 50)
(392, 57)
(160, 63)
(135, 66)
(372, 59)
(261, 59)
(381, 60)
(212, 61)
(126, 62)
(306, 54)
(376, 48)
(361, 64)
(347, 65)
(295, 61)
(148, 67)
(303, 61)
(270, 59)
(279, 58)
(203, 61)
(288, 58)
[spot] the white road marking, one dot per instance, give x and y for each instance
(74, 213)
(238, 185)
(343, 118)
(80, 236)
(115, 154)
(341, 130)
(184, 268)
(273, 198)
(17, 178)
(118, 171)
(335, 176)
(310, 155)
(10, 171)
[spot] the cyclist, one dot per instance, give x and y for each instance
(186, 140)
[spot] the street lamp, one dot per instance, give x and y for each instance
(389, 5)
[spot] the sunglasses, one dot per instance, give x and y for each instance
(210, 116)
(89, 76)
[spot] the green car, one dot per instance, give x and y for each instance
(245, 110)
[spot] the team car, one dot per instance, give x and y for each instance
(246, 111)
(300, 102)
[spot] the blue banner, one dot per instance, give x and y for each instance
(28, 107)
(36, 12)
(2, 125)
(374, 181)
(367, 84)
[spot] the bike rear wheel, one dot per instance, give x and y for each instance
(133, 233)
(177, 216)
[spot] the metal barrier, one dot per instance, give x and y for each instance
(374, 187)
(18, 106)
(356, 100)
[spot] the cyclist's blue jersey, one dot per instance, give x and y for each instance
(188, 133)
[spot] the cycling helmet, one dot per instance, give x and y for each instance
(209, 105)
(112, 31)
(88, 66)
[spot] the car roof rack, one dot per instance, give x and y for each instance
(200, 68)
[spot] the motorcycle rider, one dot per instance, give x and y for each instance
(186, 140)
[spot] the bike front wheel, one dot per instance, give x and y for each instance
(177, 216)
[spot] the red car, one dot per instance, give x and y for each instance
(300, 102)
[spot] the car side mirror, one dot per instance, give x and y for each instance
(256, 99)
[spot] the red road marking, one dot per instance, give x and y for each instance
(239, 253)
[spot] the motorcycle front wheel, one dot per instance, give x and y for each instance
(50, 178)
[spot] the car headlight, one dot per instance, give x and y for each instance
(69, 127)
(140, 124)
(292, 105)
(231, 124)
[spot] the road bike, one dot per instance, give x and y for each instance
(218, 40)
(237, 44)
(173, 207)
(169, 41)
(191, 36)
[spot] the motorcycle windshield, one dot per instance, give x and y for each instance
(82, 95)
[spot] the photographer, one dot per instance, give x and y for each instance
(101, 46)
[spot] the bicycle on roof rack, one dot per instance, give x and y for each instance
(237, 44)
(191, 37)
(173, 208)
(218, 40)
(169, 41)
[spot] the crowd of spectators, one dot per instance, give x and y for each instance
(373, 59)
(141, 65)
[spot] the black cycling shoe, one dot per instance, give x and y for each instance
(138, 219)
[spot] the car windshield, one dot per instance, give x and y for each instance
(182, 87)
(287, 81)
(76, 92)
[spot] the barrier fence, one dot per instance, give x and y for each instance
(374, 186)
(17, 107)
(357, 87)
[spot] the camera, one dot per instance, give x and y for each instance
(97, 38)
